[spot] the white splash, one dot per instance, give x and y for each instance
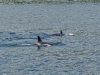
(71, 34)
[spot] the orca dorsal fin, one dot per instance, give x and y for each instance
(61, 33)
(39, 39)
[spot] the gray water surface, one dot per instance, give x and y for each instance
(70, 55)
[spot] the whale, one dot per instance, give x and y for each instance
(58, 34)
(40, 43)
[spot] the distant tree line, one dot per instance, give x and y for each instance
(46, 1)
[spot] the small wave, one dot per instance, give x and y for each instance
(15, 45)
(26, 44)
(59, 44)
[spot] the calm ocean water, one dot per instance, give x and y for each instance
(71, 55)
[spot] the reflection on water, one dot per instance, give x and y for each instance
(45, 1)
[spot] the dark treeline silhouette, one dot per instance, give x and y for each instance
(46, 1)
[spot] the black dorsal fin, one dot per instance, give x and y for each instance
(61, 33)
(39, 39)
